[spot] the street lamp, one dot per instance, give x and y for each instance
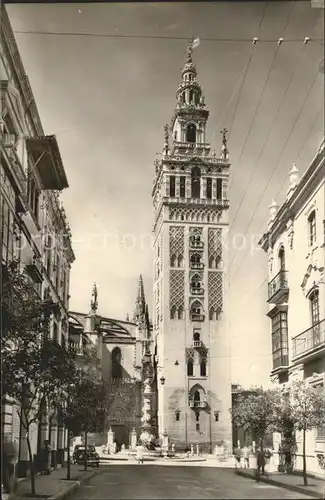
(216, 415)
(162, 380)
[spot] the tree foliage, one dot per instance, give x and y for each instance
(36, 370)
(256, 412)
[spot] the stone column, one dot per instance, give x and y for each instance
(177, 183)
(188, 187)
(214, 189)
(203, 193)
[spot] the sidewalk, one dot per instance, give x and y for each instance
(293, 482)
(53, 487)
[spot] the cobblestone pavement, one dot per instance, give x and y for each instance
(154, 481)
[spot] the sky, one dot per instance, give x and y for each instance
(107, 100)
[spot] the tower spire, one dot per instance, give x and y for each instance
(140, 304)
(94, 300)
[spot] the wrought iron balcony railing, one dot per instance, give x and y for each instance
(197, 291)
(309, 340)
(278, 285)
(197, 343)
(197, 404)
(196, 244)
(196, 265)
(197, 317)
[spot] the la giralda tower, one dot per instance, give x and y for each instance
(190, 203)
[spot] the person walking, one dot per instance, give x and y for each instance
(139, 455)
(260, 464)
(9, 461)
(246, 457)
(237, 455)
(47, 457)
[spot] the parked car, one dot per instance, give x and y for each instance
(78, 456)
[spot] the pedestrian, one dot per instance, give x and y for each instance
(9, 461)
(139, 455)
(260, 464)
(46, 452)
(237, 455)
(246, 457)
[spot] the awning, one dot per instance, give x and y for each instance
(48, 162)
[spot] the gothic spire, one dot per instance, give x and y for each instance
(94, 300)
(140, 304)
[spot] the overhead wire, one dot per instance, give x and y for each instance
(279, 191)
(277, 163)
(156, 37)
(240, 82)
(279, 109)
(247, 68)
(263, 90)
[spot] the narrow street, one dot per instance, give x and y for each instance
(154, 481)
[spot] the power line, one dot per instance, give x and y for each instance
(279, 108)
(282, 186)
(161, 37)
(246, 71)
(262, 93)
(274, 169)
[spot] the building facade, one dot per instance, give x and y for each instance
(190, 204)
(295, 243)
(120, 347)
(34, 227)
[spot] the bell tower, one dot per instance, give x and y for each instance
(190, 203)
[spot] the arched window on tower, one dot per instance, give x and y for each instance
(191, 133)
(197, 398)
(209, 188)
(212, 262)
(196, 182)
(173, 260)
(180, 312)
(180, 261)
(203, 368)
(190, 368)
(116, 363)
(182, 187)
(173, 312)
(191, 96)
(212, 314)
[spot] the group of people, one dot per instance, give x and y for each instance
(242, 458)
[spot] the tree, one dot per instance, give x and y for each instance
(256, 412)
(35, 369)
(307, 409)
(87, 407)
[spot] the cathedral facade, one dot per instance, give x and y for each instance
(120, 348)
(190, 262)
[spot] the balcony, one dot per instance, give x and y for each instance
(47, 161)
(280, 363)
(197, 291)
(310, 342)
(196, 265)
(278, 288)
(197, 317)
(197, 344)
(197, 404)
(34, 269)
(196, 244)
(196, 201)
